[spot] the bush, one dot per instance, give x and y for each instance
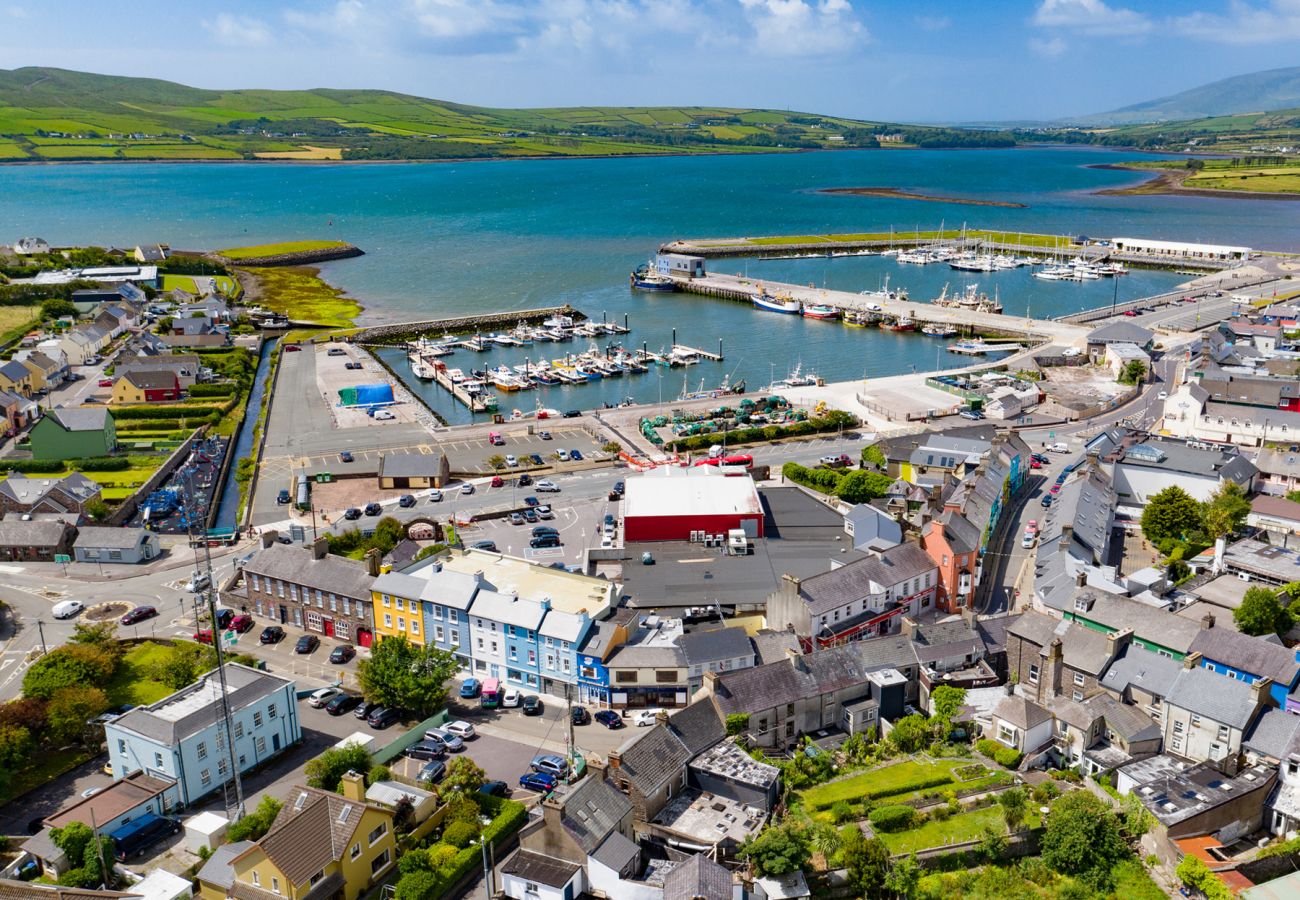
(842, 811)
(257, 823)
(892, 818)
(213, 390)
(1008, 757)
(460, 834)
(988, 747)
(71, 665)
(99, 464)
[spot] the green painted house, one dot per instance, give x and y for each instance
(74, 433)
(1154, 629)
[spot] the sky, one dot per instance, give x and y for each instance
(894, 60)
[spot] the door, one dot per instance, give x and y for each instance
(364, 637)
(275, 743)
(284, 614)
(329, 627)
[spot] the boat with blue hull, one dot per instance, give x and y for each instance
(787, 305)
(646, 279)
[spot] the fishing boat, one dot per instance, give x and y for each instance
(503, 379)
(477, 343)
(937, 330)
(972, 347)
(820, 311)
(421, 369)
(544, 376)
(902, 323)
(786, 305)
(558, 322)
(644, 278)
(796, 378)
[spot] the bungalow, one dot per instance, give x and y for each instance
(30, 246)
(1021, 724)
(74, 433)
(115, 545)
(146, 386)
(151, 253)
(1118, 333)
(413, 470)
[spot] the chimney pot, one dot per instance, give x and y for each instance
(1260, 691)
(320, 547)
(1207, 621)
(615, 759)
(269, 536)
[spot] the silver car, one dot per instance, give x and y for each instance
(446, 738)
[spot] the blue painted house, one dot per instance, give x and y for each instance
(1245, 658)
(559, 636)
(602, 639)
(503, 631)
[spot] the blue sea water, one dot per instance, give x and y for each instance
(458, 238)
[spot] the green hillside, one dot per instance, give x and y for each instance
(1273, 89)
(55, 114)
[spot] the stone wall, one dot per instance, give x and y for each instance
(301, 258)
(403, 331)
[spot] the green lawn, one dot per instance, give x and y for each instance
(258, 250)
(966, 826)
(899, 781)
(132, 682)
(226, 284)
(300, 293)
(1006, 237)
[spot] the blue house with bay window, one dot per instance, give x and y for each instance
(601, 640)
(503, 632)
(1245, 658)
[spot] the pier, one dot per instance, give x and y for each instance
(473, 402)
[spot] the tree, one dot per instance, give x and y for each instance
(904, 877)
(1170, 514)
(737, 723)
(613, 448)
(182, 663)
(875, 456)
(861, 486)
(70, 710)
(1014, 804)
(1226, 510)
(463, 774)
(946, 701)
(408, 676)
(1082, 835)
(1137, 820)
(1196, 874)
(867, 861)
(96, 510)
(328, 769)
(88, 858)
(98, 634)
(824, 839)
(57, 307)
(910, 733)
(1134, 371)
(25, 712)
(16, 745)
(993, 844)
(68, 666)
(1260, 613)
(257, 823)
(497, 462)
(779, 850)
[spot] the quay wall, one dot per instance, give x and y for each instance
(403, 331)
(300, 258)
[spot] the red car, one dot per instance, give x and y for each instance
(1035, 464)
(242, 623)
(203, 636)
(1056, 488)
(291, 348)
(105, 382)
(498, 481)
(1129, 312)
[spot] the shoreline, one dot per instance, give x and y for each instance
(900, 194)
(1171, 183)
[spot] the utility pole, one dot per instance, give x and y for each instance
(40, 628)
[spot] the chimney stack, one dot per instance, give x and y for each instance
(269, 536)
(1260, 692)
(372, 562)
(353, 787)
(1191, 660)
(1050, 685)
(661, 717)
(320, 547)
(615, 759)
(1207, 621)
(1080, 578)
(908, 627)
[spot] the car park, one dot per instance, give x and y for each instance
(546, 487)
(469, 688)
(550, 764)
(537, 781)
(446, 738)
(511, 698)
(431, 772)
(609, 719)
(345, 456)
(383, 716)
(306, 644)
(351, 513)
(242, 624)
(271, 634)
(342, 653)
(406, 501)
(461, 729)
(321, 697)
(426, 750)
(578, 715)
(373, 509)
(139, 614)
(544, 435)
(342, 703)
(532, 705)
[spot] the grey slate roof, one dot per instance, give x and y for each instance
(1127, 721)
(151, 379)
(80, 418)
(1081, 647)
(640, 656)
(540, 868)
(1021, 712)
(838, 587)
(945, 640)
(1147, 622)
(872, 527)
(15, 532)
(15, 371)
(703, 647)
(592, 810)
(1224, 700)
(1179, 457)
(652, 759)
(963, 535)
(217, 870)
(410, 465)
(246, 686)
(295, 565)
(1273, 734)
(615, 851)
(29, 491)
(1121, 332)
(1142, 669)
(698, 726)
(1249, 654)
(773, 646)
(699, 878)
(110, 538)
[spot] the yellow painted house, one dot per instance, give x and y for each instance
(397, 606)
(322, 846)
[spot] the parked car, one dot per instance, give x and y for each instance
(646, 717)
(544, 435)
(271, 634)
(546, 487)
(365, 708)
(283, 497)
(406, 501)
(373, 509)
(446, 738)
(306, 644)
(575, 456)
(461, 729)
(342, 653)
(137, 836)
(543, 530)
(511, 461)
(1032, 526)
(1035, 464)
(545, 542)
(106, 382)
(530, 516)
(431, 772)
(836, 461)
(342, 703)
(524, 480)
(544, 512)
(537, 781)
(532, 502)
(491, 788)
(139, 614)
(551, 764)
(614, 496)
(435, 496)
(292, 348)
(199, 581)
(345, 456)
(203, 635)
(516, 519)
(351, 513)
(384, 716)
(242, 624)
(511, 698)
(562, 455)
(532, 705)
(970, 414)
(579, 715)
(383, 415)
(321, 697)
(1027, 540)
(1059, 447)
(1046, 501)
(497, 481)
(536, 459)
(467, 488)
(609, 719)
(572, 413)
(469, 688)
(426, 750)
(490, 546)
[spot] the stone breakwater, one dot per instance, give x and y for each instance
(297, 258)
(401, 332)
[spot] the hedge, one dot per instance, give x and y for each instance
(87, 464)
(1008, 756)
(213, 390)
(988, 747)
(834, 420)
(508, 816)
(175, 413)
(892, 818)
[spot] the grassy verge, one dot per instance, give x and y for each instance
(259, 250)
(44, 767)
(132, 683)
(226, 284)
(299, 293)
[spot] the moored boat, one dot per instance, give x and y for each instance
(821, 311)
(786, 305)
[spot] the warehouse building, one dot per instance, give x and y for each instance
(674, 504)
(1179, 249)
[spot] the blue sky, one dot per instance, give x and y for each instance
(899, 60)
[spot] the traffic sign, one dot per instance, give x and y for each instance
(62, 558)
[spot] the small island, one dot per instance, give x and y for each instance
(899, 194)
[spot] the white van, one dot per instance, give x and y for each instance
(646, 717)
(715, 451)
(1059, 447)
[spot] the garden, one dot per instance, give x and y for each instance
(915, 780)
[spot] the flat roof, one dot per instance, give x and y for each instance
(568, 591)
(729, 761)
(708, 819)
(1265, 559)
(697, 491)
(1178, 245)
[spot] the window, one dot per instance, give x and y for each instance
(334, 604)
(480, 643)
(317, 877)
(270, 711)
(257, 879)
(1078, 678)
(293, 593)
(514, 656)
(455, 637)
(341, 629)
(1178, 727)
(1076, 696)
(260, 745)
(387, 601)
(437, 612)
(347, 606)
(532, 657)
(1223, 732)
(379, 862)
(666, 676)
(275, 885)
(157, 760)
(257, 719)
(388, 620)
(564, 665)
(550, 661)
(415, 626)
(437, 633)
(222, 766)
(379, 831)
(1196, 720)
(400, 604)
(495, 652)
(239, 730)
(1216, 751)
(206, 777)
(355, 851)
(1007, 734)
(625, 677)
(401, 623)
(203, 749)
(1178, 743)
(1033, 673)
(313, 620)
(121, 747)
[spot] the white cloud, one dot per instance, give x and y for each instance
(1048, 48)
(1090, 17)
(1244, 23)
(239, 31)
(804, 27)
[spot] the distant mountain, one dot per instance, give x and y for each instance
(1256, 92)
